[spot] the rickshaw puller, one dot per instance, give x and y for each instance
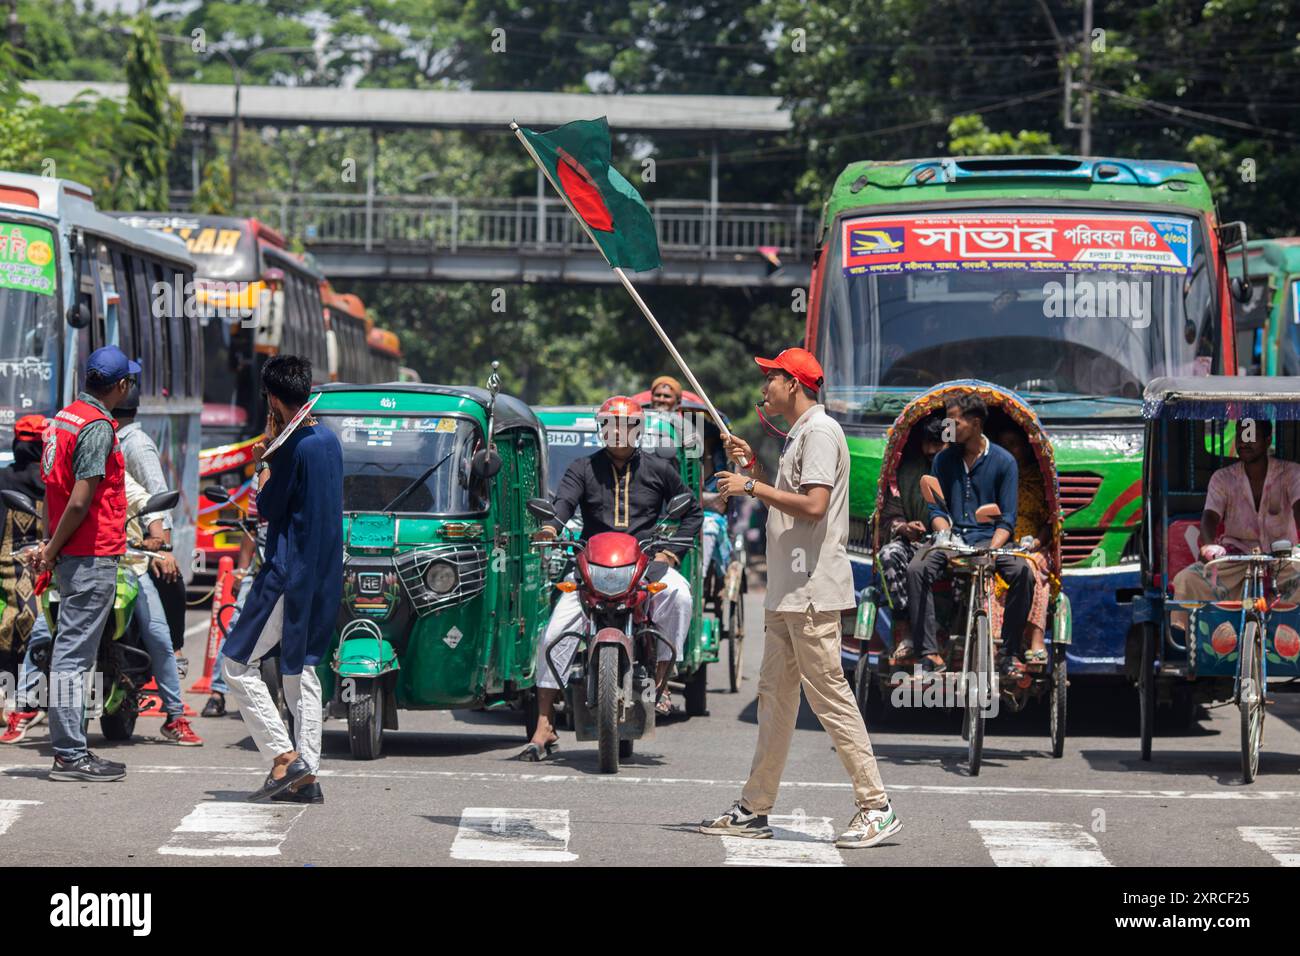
(1257, 498)
(618, 488)
(972, 472)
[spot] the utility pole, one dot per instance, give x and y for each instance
(1085, 130)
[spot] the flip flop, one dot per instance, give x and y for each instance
(535, 754)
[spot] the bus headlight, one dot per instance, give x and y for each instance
(441, 577)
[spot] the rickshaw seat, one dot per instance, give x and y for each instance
(1183, 539)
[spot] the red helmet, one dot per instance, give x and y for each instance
(619, 406)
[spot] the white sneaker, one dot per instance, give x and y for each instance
(869, 827)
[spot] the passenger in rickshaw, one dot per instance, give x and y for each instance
(905, 516)
(666, 393)
(1257, 500)
(972, 473)
(619, 488)
(1033, 524)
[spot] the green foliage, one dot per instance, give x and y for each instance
(213, 197)
(970, 136)
(152, 125)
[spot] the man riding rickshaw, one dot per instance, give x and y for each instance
(1220, 570)
(967, 491)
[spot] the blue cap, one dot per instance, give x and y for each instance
(111, 364)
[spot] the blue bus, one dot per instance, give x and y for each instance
(73, 279)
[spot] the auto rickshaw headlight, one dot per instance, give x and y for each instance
(441, 577)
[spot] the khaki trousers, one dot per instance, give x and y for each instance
(802, 648)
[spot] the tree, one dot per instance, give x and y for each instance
(970, 136)
(152, 126)
(214, 197)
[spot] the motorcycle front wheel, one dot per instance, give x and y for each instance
(607, 686)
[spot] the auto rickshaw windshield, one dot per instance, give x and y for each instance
(407, 463)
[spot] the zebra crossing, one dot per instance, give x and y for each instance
(531, 835)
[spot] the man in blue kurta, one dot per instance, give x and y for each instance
(294, 600)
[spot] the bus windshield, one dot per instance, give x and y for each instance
(29, 326)
(385, 457)
(1076, 310)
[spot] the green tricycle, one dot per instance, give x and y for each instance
(571, 433)
(444, 601)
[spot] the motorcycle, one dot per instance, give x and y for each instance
(122, 659)
(610, 687)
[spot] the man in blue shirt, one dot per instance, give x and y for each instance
(972, 472)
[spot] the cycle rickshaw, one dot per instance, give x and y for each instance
(1190, 652)
(967, 628)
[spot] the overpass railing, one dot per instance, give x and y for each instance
(410, 223)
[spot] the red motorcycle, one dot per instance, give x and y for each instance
(610, 686)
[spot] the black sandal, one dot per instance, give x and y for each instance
(535, 754)
(216, 706)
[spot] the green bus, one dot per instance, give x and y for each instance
(1270, 321)
(1072, 281)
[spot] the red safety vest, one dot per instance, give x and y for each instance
(103, 531)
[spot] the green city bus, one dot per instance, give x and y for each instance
(1072, 281)
(1270, 321)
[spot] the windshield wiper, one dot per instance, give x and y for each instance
(417, 483)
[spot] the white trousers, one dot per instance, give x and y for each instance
(670, 610)
(301, 692)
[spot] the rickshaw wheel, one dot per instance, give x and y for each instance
(365, 720)
(735, 631)
(1060, 685)
(982, 671)
(1147, 692)
(1251, 701)
(697, 692)
(607, 684)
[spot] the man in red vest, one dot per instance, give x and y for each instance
(85, 498)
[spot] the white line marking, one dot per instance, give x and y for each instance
(483, 776)
(510, 835)
(232, 829)
(797, 840)
(1281, 843)
(11, 810)
(1018, 843)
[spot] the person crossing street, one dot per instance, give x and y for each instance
(809, 583)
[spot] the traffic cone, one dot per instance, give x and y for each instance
(223, 597)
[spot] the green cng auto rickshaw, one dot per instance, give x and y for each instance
(1187, 650)
(443, 599)
(570, 434)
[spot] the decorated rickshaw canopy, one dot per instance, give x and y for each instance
(1223, 398)
(995, 396)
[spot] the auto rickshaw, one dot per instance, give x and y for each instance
(967, 630)
(443, 599)
(571, 433)
(1185, 653)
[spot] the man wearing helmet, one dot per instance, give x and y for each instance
(616, 489)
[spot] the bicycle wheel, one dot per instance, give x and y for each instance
(979, 684)
(1250, 697)
(1147, 691)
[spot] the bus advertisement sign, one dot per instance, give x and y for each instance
(1030, 242)
(26, 258)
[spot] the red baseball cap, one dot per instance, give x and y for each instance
(798, 363)
(29, 428)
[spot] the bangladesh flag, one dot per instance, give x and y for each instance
(576, 158)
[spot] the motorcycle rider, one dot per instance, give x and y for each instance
(22, 625)
(144, 466)
(619, 488)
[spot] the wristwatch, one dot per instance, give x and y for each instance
(749, 487)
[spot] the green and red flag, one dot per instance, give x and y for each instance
(575, 157)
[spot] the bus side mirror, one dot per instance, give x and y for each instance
(1240, 288)
(78, 316)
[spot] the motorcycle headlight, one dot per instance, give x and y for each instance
(441, 577)
(610, 582)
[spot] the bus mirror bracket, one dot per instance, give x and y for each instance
(79, 314)
(1240, 284)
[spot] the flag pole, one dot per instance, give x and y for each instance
(627, 284)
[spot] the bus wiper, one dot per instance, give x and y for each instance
(1054, 399)
(417, 483)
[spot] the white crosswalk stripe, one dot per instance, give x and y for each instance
(11, 810)
(513, 835)
(797, 840)
(232, 829)
(1021, 843)
(1281, 843)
